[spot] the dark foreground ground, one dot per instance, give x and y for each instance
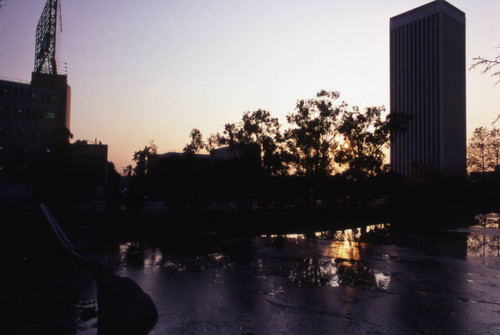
(276, 285)
(386, 281)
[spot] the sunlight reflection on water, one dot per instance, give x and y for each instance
(320, 259)
(339, 262)
(338, 235)
(325, 258)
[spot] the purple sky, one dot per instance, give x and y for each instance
(155, 69)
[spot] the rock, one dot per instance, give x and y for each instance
(123, 306)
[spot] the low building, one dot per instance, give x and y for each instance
(29, 114)
(91, 165)
(227, 174)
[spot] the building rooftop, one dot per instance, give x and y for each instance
(427, 10)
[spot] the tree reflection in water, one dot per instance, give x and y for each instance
(481, 245)
(327, 271)
(141, 255)
(339, 262)
(484, 240)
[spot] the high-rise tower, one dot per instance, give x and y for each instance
(46, 74)
(31, 113)
(47, 38)
(427, 74)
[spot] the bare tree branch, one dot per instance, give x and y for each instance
(488, 66)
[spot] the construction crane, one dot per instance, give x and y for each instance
(47, 38)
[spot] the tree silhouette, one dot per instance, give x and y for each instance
(312, 138)
(257, 127)
(141, 158)
(311, 146)
(138, 185)
(196, 143)
(127, 171)
(112, 190)
(364, 137)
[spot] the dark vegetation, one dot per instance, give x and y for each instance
(325, 171)
(327, 168)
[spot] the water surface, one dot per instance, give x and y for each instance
(368, 280)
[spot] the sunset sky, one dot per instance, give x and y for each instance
(155, 69)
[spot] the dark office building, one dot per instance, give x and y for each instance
(29, 113)
(427, 75)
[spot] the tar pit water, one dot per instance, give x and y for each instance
(370, 280)
(361, 281)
